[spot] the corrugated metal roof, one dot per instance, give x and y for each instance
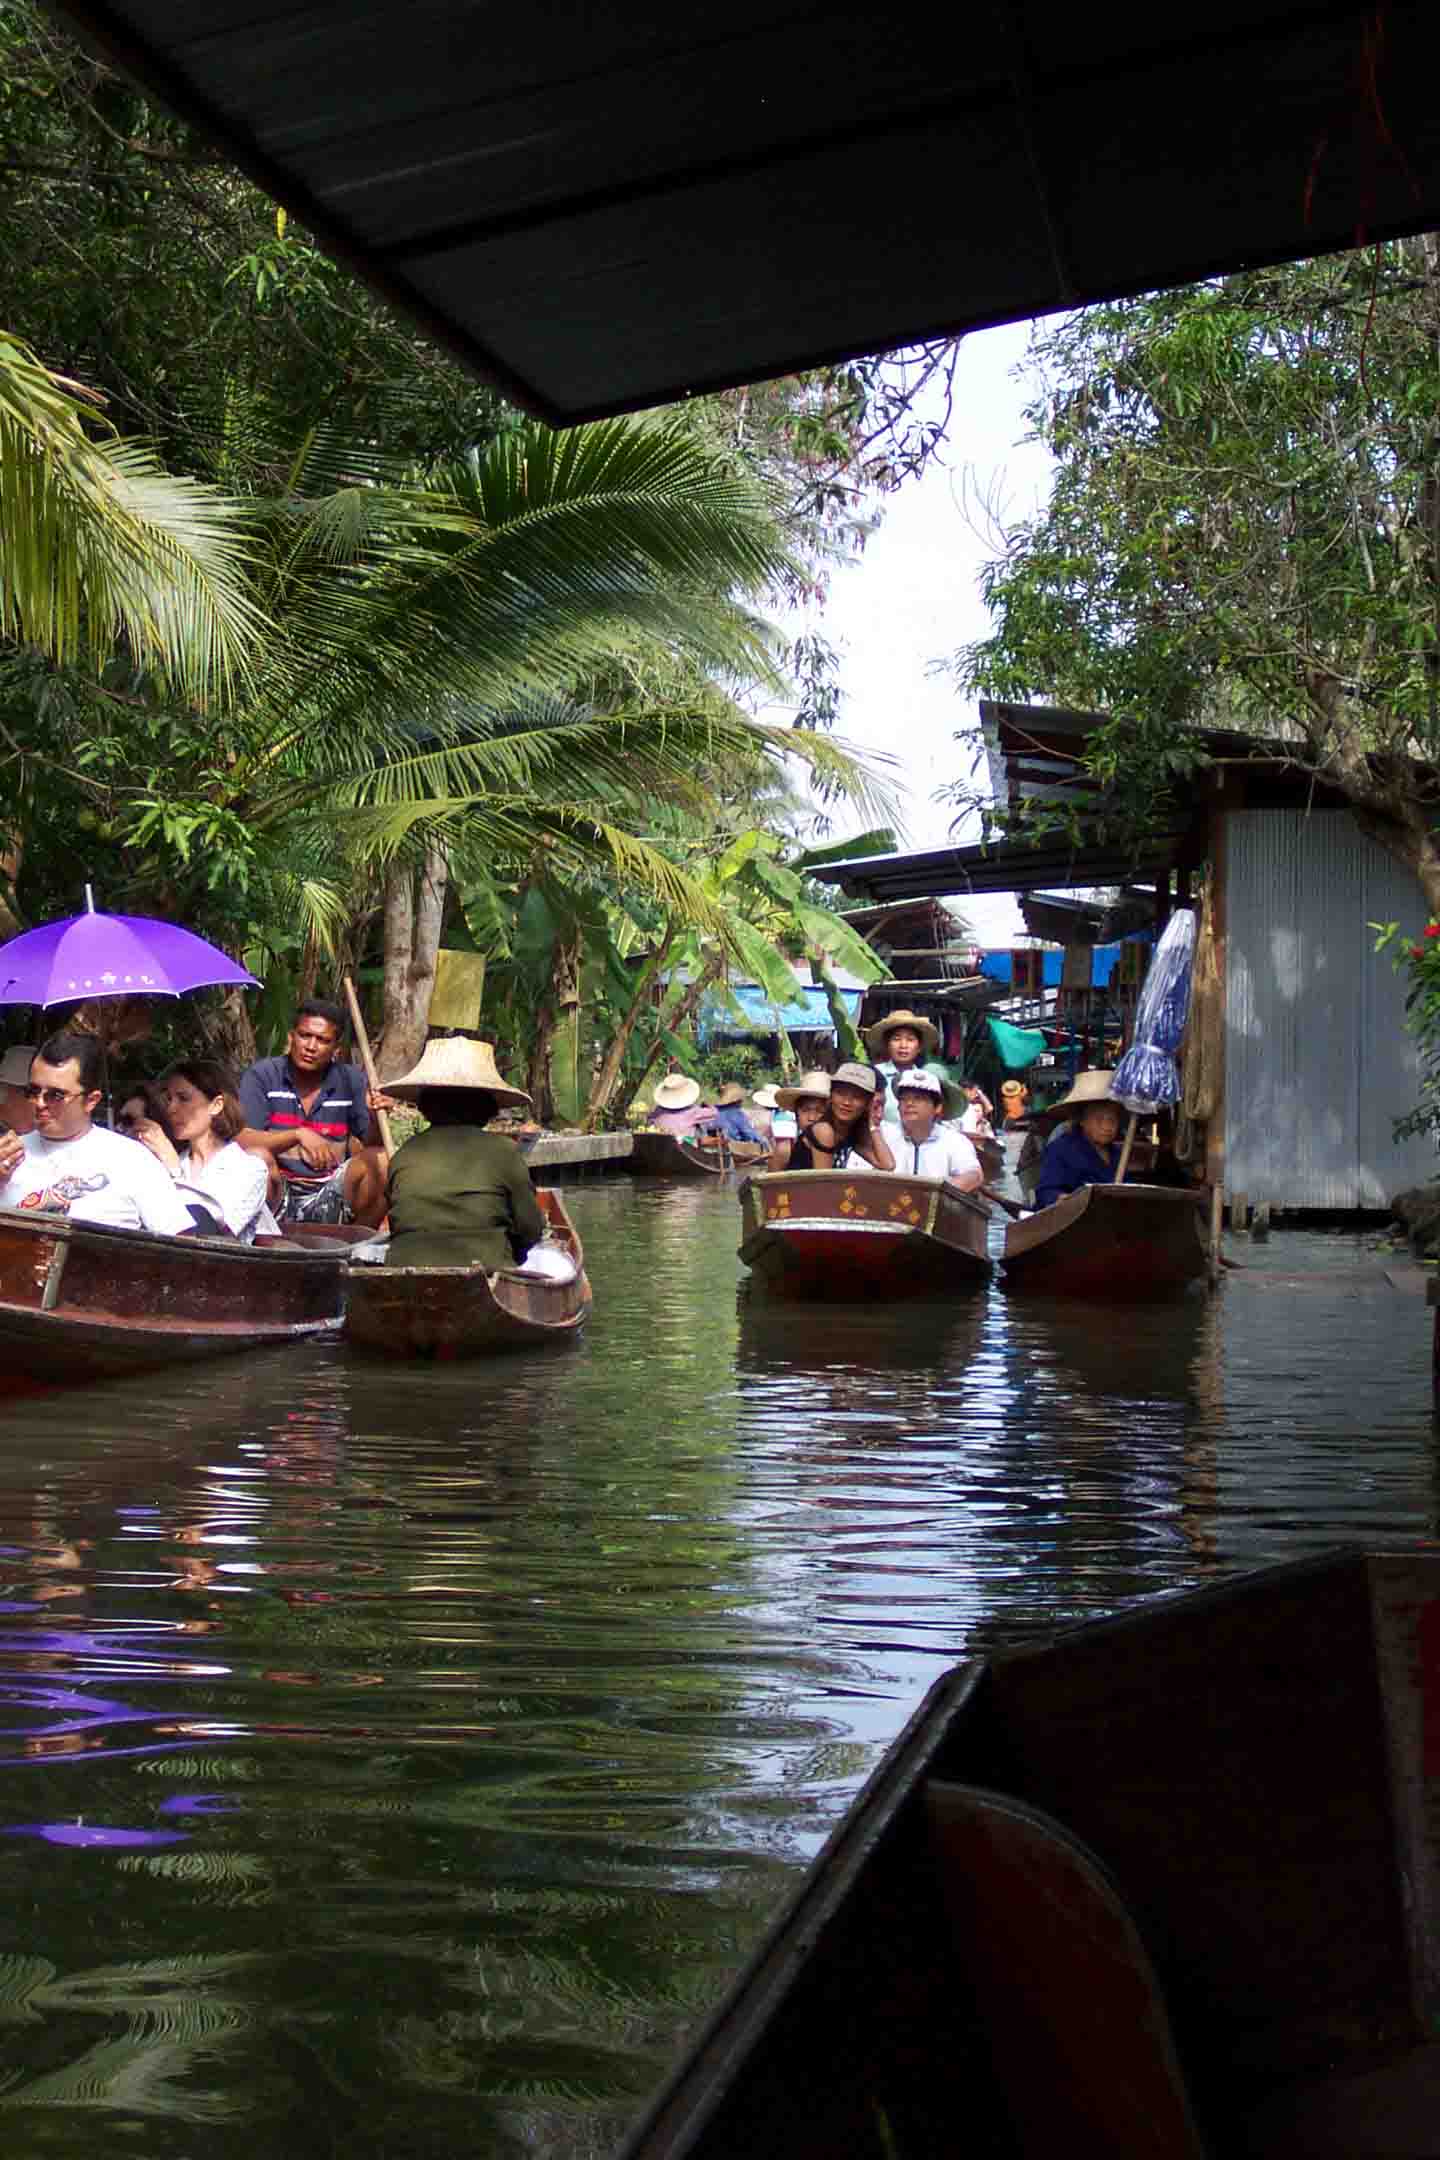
(610, 207)
(1002, 866)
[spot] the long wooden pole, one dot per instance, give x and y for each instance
(1125, 1150)
(357, 1021)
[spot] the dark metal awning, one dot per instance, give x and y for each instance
(609, 207)
(1056, 864)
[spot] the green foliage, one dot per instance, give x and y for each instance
(1242, 531)
(740, 1062)
(1418, 961)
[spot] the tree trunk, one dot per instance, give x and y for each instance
(412, 940)
(680, 1011)
(537, 1077)
(608, 1077)
(10, 923)
(229, 1031)
(564, 1062)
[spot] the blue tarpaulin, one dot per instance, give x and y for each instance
(1107, 958)
(807, 1009)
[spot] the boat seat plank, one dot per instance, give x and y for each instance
(1062, 1984)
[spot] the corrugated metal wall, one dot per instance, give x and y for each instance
(1317, 1060)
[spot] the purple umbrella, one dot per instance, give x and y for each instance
(109, 956)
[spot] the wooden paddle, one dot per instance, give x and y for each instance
(357, 1021)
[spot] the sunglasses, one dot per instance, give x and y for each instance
(51, 1096)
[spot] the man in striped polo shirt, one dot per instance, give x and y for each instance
(313, 1117)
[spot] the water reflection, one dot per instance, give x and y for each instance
(416, 1756)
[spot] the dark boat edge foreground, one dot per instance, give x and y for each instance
(1110, 1241)
(456, 1312)
(78, 1303)
(1167, 1885)
(844, 1234)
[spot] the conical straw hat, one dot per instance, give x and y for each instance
(876, 1037)
(675, 1092)
(455, 1062)
(1087, 1089)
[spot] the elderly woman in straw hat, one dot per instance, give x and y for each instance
(678, 1109)
(1086, 1149)
(459, 1196)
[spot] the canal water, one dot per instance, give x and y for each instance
(399, 1762)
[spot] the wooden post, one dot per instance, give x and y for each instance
(1217, 1216)
(1125, 1150)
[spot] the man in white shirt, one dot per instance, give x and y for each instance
(924, 1148)
(70, 1166)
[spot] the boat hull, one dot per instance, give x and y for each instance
(1110, 1241)
(658, 1154)
(841, 1234)
(80, 1304)
(1246, 1767)
(464, 1312)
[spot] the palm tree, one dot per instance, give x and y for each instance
(99, 547)
(416, 692)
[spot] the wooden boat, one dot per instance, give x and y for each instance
(1166, 1887)
(860, 1234)
(658, 1154)
(79, 1303)
(455, 1312)
(1110, 1241)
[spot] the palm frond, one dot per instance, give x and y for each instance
(99, 544)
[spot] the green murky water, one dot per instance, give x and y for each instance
(398, 1763)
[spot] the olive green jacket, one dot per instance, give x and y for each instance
(460, 1195)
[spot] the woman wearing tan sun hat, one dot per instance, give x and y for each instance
(678, 1109)
(1087, 1150)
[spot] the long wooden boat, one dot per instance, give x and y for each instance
(457, 1312)
(79, 1303)
(1110, 1241)
(860, 1234)
(1166, 1887)
(658, 1154)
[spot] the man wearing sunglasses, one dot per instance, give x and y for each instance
(71, 1166)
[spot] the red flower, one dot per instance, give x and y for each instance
(1432, 929)
(1417, 952)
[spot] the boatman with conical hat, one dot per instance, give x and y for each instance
(459, 1196)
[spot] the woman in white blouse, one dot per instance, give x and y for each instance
(204, 1158)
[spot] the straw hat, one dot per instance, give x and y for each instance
(455, 1062)
(675, 1092)
(765, 1099)
(877, 1037)
(1087, 1090)
(730, 1093)
(15, 1065)
(1013, 1088)
(810, 1083)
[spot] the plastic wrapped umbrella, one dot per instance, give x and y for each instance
(82, 957)
(1148, 1077)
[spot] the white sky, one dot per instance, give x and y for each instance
(913, 597)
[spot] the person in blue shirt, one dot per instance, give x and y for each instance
(730, 1117)
(1086, 1150)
